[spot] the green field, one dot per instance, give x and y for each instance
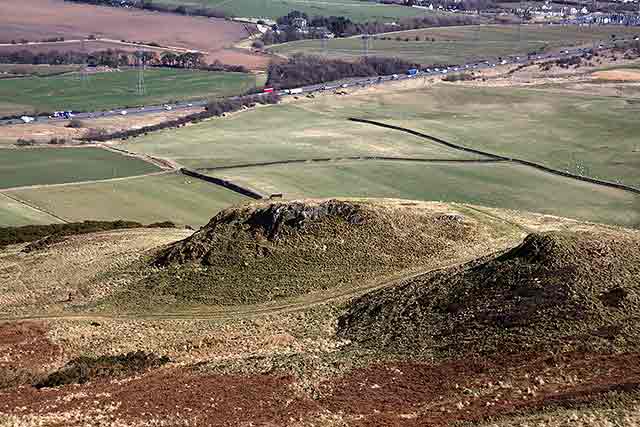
(282, 132)
(356, 10)
(14, 214)
(503, 185)
(116, 89)
(586, 134)
(44, 166)
(456, 45)
(170, 197)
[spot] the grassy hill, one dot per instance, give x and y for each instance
(570, 290)
(457, 45)
(527, 329)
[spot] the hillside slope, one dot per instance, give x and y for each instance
(270, 251)
(557, 290)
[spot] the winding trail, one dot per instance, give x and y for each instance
(303, 303)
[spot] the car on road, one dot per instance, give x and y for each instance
(27, 119)
(167, 107)
(123, 112)
(344, 85)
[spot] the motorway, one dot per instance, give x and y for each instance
(354, 82)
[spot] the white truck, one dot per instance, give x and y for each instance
(295, 91)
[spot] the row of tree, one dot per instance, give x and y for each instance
(116, 58)
(307, 70)
(344, 27)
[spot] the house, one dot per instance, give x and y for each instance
(299, 23)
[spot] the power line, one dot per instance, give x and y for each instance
(140, 88)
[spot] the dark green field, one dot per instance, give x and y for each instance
(116, 89)
(46, 166)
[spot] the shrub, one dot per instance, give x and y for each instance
(25, 142)
(83, 369)
(75, 124)
(257, 44)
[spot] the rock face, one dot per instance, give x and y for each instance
(568, 289)
(268, 222)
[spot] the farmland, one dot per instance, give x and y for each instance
(38, 20)
(169, 197)
(487, 184)
(356, 10)
(561, 129)
(116, 89)
(57, 166)
(14, 213)
(292, 132)
(456, 45)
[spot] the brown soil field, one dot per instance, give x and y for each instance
(37, 20)
(43, 132)
(618, 75)
(89, 46)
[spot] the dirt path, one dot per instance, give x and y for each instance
(304, 303)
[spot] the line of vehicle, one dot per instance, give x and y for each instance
(428, 72)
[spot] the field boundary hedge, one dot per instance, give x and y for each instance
(538, 166)
(223, 183)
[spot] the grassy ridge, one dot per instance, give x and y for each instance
(456, 45)
(58, 165)
(117, 89)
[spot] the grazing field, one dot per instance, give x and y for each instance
(356, 10)
(585, 134)
(37, 20)
(117, 89)
(282, 132)
(14, 214)
(46, 166)
(169, 197)
(456, 45)
(502, 185)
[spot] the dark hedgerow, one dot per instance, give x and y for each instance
(56, 232)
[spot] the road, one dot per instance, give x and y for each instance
(354, 82)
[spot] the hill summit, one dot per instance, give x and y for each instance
(272, 250)
(561, 290)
